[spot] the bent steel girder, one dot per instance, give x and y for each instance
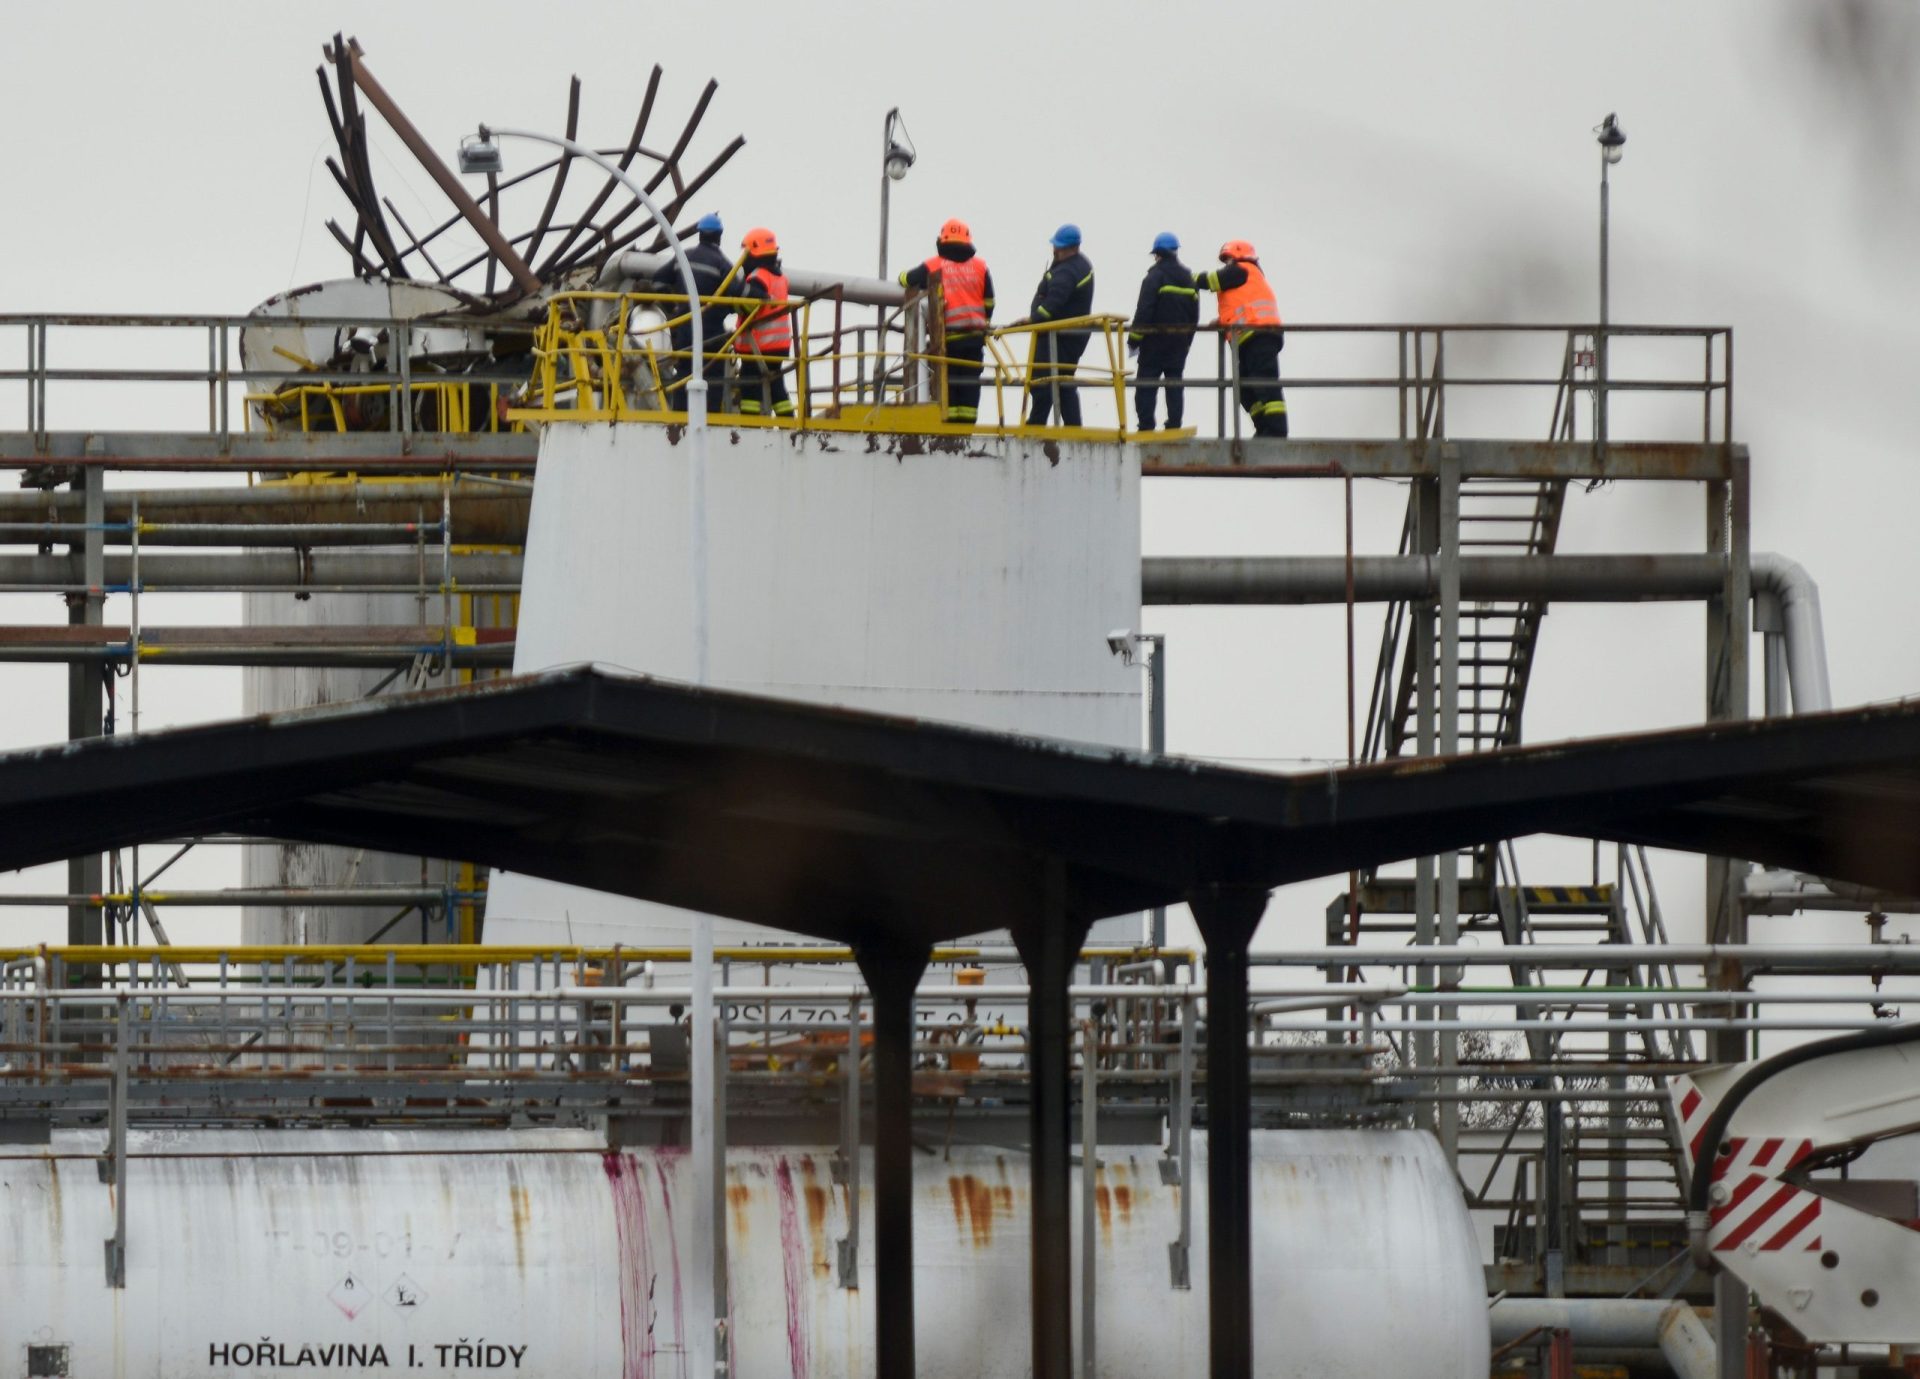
(381, 244)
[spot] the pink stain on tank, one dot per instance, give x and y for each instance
(793, 1262)
(636, 1265)
(673, 1251)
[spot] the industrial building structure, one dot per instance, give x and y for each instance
(447, 1112)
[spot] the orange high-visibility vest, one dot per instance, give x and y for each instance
(1250, 305)
(964, 288)
(770, 329)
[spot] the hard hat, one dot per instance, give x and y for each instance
(1237, 249)
(760, 242)
(1166, 243)
(956, 232)
(1066, 237)
(709, 224)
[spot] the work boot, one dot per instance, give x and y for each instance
(1144, 426)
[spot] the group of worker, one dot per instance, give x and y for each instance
(1160, 333)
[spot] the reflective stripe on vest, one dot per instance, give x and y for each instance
(963, 285)
(770, 329)
(1251, 304)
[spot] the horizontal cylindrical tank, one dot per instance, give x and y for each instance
(541, 1253)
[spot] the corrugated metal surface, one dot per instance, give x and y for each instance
(973, 582)
(535, 1253)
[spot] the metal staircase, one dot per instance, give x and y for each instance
(1619, 1177)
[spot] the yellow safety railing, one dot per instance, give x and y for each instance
(597, 359)
(304, 408)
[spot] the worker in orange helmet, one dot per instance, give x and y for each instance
(966, 310)
(1251, 319)
(765, 336)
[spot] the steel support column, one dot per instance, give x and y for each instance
(1447, 896)
(85, 681)
(1727, 534)
(1228, 915)
(1049, 944)
(892, 975)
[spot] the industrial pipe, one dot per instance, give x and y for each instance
(1787, 581)
(1613, 1324)
(801, 282)
(1407, 578)
(326, 569)
(491, 514)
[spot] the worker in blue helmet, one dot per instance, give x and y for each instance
(1065, 294)
(713, 276)
(1162, 333)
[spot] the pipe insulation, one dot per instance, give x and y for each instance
(1410, 578)
(801, 282)
(1614, 1324)
(1787, 581)
(255, 569)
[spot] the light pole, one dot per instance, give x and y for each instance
(896, 156)
(1125, 644)
(1612, 140)
(481, 154)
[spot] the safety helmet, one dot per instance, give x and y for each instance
(1165, 243)
(760, 242)
(1066, 237)
(709, 224)
(956, 232)
(1237, 249)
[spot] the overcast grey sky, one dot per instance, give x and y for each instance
(1393, 161)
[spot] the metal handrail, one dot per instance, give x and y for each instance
(894, 358)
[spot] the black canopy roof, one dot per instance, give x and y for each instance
(848, 825)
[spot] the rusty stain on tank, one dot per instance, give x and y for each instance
(1103, 1202)
(740, 1198)
(816, 1198)
(974, 1205)
(522, 1208)
(1123, 1200)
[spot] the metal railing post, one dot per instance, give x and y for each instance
(849, 1244)
(1177, 1169)
(116, 1166)
(1089, 1189)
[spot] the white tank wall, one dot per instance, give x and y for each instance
(974, 583)
(571, 1260)
(267, 689)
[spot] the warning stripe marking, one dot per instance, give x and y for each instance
(1758, 1217)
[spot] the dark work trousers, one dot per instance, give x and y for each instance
(763, 387)
(1162, 356)
(964, 354)
(1056, 353)
(1260, 391)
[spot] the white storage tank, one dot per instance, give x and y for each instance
(540, 1253)
(973, 580)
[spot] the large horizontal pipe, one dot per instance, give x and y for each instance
(484, 513)
(801, 282)
(1613, 1323)
(1404, 578)
(266, 569)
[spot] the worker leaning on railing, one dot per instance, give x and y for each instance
(765, 337)
(1251, 317)
(1065, 293)
(712, 274)
(966, 291)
